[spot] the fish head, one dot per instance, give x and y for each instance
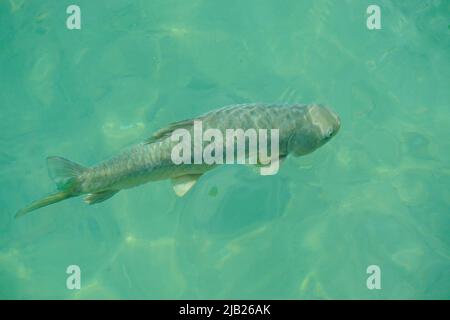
(318, 125)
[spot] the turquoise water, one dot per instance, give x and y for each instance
(377, 194)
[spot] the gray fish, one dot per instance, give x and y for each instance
(302, 129)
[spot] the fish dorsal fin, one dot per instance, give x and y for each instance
(181, 185)
(167, 131)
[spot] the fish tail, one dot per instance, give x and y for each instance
(65, 174)
(48, 200)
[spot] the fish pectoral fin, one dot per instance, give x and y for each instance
(181, 185)
(268, 161)
(97, 197)
(282, 159)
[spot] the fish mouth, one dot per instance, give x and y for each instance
(337, 120)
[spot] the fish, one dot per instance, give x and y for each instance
(301, 130)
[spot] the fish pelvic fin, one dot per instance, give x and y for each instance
(65, 174)
(93, 198)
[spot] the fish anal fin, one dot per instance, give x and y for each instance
(97, 197)
(181, 185)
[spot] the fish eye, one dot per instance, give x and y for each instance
(329, 133)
